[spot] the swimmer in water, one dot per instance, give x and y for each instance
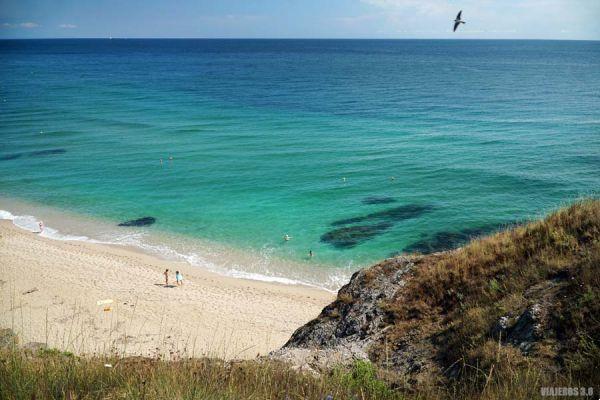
(310, 253)
(344, 179)
(41, 225)
(161, 162)
(286, 237)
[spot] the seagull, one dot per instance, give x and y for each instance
(458, 21)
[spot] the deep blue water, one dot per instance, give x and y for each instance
(355, 148)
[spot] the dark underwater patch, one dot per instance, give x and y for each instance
(350, 236)
(401, 213)
(391, 214)
(378, 200)
(48, 152)
(11, 156)
(139, 222)
(348, 221)
(448, 240)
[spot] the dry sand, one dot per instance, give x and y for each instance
(209, 315)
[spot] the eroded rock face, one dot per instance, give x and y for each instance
(346, 328)
(523, 330)
(460, 303)
(354, 326)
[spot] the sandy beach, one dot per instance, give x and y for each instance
(50, 291)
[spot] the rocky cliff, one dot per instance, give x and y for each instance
(529, 296)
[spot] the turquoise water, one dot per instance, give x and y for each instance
(274, 137)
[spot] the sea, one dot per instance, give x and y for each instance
(357, 150)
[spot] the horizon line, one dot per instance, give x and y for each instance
(286, 38)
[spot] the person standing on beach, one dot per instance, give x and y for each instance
(166, 274)
(41, 225)
(178, 278)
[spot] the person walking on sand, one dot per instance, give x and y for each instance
(178, 278)
(166, 274)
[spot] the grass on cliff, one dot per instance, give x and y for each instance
(456, 299)
(51, 374)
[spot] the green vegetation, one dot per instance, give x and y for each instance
(55, 375)
(452, 303)
(455, 300)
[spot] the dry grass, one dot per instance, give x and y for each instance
(51, 374)
(56, 375)
(469, 289)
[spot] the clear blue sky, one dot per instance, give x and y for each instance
(539, 19)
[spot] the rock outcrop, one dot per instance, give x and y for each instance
(528, 294)
(346, 328)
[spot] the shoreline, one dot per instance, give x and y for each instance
(214, 257)
(50, 291)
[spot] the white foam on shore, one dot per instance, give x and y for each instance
(137, 239)
(30, 223)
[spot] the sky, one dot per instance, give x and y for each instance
(502, 19)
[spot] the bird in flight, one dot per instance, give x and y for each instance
(458, 21)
